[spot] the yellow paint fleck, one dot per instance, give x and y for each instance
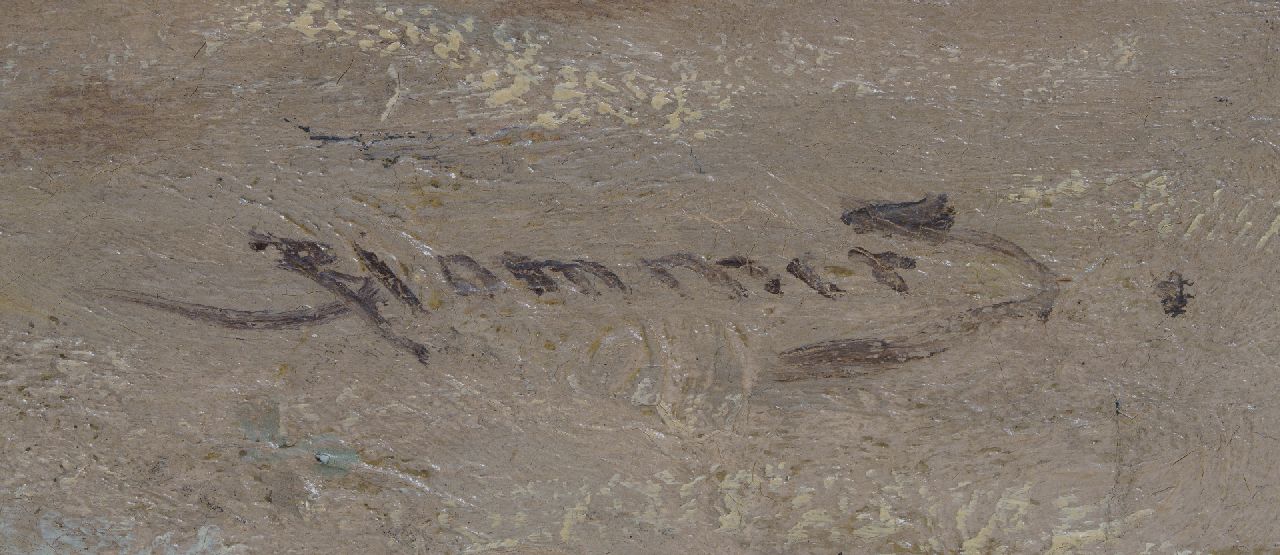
(629, 81)
(1124, 52)
(1070, 513)
(816, 518)
(731, 497)
(413, 33)
(1244, 230)
(1157, 186)
(1195, 224)
(302, 24)
(962, 516)
(547, 120)
(682, 113)
(565, 92)
(801, 500)
(568, 91)
(884, 526)
(1070, 542)
(1243, 212)
(503, 544)
(520, 68)
(1267, 235)
(575, 515)
(519, 86)
(595, 345)
(451, 45)
(1073, 186)
(1008, 515)
(594, 81)
(607, 109)
(689, 489)
(659, 100)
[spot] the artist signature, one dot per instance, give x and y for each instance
(929, 219)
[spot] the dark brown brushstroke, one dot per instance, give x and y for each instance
(243, 319)
(389, 279)
(930, 213)
(489, 283)
(753, 268)
(894, 260)
(810, 277)
(1039, 304)
(774, 283)
(661, 269)
(530, 272)
(388, 148)
(835, 358)
(883, 266)
(578, 272)
(306, 258)
(930, 219)
(774, 286)
(1173, 294)
(606, 275)
(573, 272)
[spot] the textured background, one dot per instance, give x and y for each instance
(1115, 142)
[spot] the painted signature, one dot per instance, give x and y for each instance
(929, 219)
